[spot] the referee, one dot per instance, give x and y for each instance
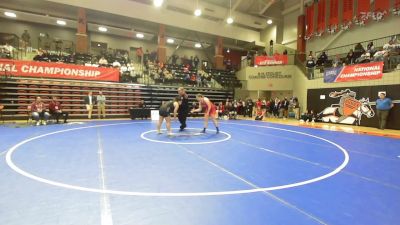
(183, 108)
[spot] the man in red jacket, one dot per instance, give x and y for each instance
(56, 110)
(39, 112)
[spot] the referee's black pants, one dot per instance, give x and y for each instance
(182, 119)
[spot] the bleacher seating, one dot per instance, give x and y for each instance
(16, 94)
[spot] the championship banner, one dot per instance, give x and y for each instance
(334, 12)
(57, 70)
(321, 16)
(310, 21)
(367, 71)
(271, 60)
(382, 5)
(363, 10)
(347, 11)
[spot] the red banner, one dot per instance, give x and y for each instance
(363, 7)
(347, 11)
(396, 4)
(382, 5)
(310, 21)
(271, 60)
(57, 70)
(366, 71)
(321, 16)
(333, 13)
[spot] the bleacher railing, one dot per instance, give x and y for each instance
(343, 50)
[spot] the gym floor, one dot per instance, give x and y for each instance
(122, 172)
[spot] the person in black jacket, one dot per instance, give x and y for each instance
(183, 108)
(89, 102)
(249, 107)
(285, 107)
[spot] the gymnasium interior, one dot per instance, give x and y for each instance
(279, 112)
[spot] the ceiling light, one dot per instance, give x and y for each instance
(269, 21)
(170, 40)
(61, 22)
(197, 12)
(230, 19)
(228, 50)
(103, 29)
(140, 35)
(10, 14)
(158, 3)
(98, 45)
(197, 45)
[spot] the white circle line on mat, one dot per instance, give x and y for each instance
(143, 136)
(12, 165)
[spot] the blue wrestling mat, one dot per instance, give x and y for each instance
(251, 173)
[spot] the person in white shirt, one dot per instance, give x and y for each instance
(101, 105)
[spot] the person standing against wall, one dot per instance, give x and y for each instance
(89, 102)
(383, 106)
(310, 64)
(101, 105)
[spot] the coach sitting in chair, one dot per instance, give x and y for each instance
(56, 110)
(39, 113)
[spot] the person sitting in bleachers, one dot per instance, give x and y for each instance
(370, 48)
(350, 58)
(55, 109)
(358, 50)
(337, 61)
(39, 112)
(103, 61)
(388, 49)
(322, 59)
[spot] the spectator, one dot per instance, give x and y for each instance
(103, 61)
(101, 105)
(285, 52)
(249, 108)
(337, 61)
(139, 54)
(310, 64)
(55, 109)
(249, 58)
(276, 107)
(9, 49)
(308, 116)
(259, 114)
(196, 62)
(116, 64)
(146, 57)
(39, 113)
(89, 102)
(296, 108)
(142, 104)
(174, 59)
(383, 106)
(285, 107)
(371, 49)
(350, 58)
(358, 50)
(220, 110)
(271, 47)
(322, 59)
